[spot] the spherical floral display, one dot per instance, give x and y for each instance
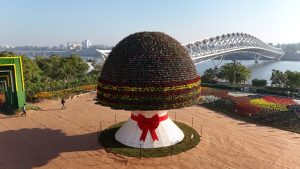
(148, 71)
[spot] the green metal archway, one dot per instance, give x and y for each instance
(12, 82)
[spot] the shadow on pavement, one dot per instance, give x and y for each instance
(29, 148)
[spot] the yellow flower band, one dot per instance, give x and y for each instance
(148, 89)
(165, 98)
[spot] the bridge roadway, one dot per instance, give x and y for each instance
(41, 52)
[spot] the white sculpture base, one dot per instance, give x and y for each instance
(167, 132)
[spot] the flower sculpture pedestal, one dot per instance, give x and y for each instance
(149, 129)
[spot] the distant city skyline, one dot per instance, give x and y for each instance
(55, 22)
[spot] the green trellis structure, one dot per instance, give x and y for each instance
(12, 82)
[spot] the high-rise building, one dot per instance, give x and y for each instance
(86, 43)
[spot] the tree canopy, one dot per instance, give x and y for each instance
(234, 72)
(209, 75)
(55, 72)
(278, 78)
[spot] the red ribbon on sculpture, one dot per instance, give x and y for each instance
(148, 124)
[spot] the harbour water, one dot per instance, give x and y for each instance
(260, 70)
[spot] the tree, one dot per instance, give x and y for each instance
(209, 75)
(278, 78)
(54, 73)
(33, 77)
(74, 67)
(293, 79)
(63, 68)
(234, 72)
(51, 66)
(7, 54)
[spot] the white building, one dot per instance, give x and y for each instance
(86, 43)
(74, 46)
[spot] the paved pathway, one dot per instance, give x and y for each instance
(67, 139)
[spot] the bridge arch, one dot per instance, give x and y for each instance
(225, 44)
(230, 43)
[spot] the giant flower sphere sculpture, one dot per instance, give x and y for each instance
(148, 73)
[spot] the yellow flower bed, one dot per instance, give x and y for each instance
(65, 92)
(89, 87)
(43, 95)
(268, 105)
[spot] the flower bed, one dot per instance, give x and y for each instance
(210, 99)
(279, 100)
(243, 107)
(64, 93)
(268, 105)
(245, 104)
(275, 111)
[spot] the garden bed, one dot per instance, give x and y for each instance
(66, 93)
(274, 111)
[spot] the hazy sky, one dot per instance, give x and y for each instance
(54, 22)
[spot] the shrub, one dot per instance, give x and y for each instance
(225, 104)
(220, 86)
(274, 92)
(277, 88)
(277, 118)
(259, 82)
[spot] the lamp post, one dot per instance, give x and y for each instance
(234, 74)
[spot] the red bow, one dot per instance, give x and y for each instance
(148, 124)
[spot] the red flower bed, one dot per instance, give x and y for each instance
(242, 106)
(245, 108)
(278, 100)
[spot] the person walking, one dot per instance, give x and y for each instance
(24, 110)
(63, 103)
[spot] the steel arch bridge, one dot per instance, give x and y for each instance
(220, 46)
(230, 43)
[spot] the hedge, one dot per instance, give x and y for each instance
(221, 86)
(259, 82)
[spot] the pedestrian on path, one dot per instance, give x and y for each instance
(24, 110)
(63, 103)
